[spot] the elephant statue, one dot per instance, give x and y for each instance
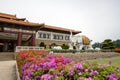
(79, 41)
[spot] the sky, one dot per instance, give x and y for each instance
(97, 19)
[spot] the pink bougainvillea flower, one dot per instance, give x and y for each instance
(93, 72)
(39, 65)
(112, 77)
(89, 78)
(71, 72)
(46, 77)
(78, 66)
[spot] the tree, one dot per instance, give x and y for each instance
(96, 45)
(52, 45)
(117, 43)
(74, 47)
(107, 44)
(65, 46)
(42, 45)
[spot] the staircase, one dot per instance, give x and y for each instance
(7, 56)
(7, 66)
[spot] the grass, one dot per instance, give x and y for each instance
(115, 61)
(101, 57)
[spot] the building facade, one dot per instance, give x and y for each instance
(20, 32)
(53, 35)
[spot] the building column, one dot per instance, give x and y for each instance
(51, 36)
(14, 45)
(19, 39)
(33, 39)
(5, 48)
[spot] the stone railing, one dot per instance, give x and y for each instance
(20, 48)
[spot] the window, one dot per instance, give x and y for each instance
(58, 37)
(44, 35)
(54, 36)
(67, 38)
(48, 36)
(40, 35)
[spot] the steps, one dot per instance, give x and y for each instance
(6, 56)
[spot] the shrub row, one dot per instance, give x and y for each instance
(74, 51)
(62, 51)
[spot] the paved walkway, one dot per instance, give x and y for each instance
(7, 66)
(8, 70)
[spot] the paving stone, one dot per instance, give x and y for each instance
(8, 70)
(7, 66)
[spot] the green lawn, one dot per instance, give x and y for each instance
(115, 60)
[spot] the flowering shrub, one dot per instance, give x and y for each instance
(117, 50)
(39, 65)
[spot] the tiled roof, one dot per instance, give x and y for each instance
(7, 15)
(61, 29)
(8, 18)
(20, 22)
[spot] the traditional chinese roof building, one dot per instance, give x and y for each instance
(16, 31)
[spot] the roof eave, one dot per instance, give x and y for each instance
(61, 29)
(21, 22)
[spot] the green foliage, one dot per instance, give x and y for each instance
(52, 71)
(118, 73)
(86, 74)
(96, 45)
(117, 43)
(74, 47)
(38, 73)
(52, 45)
(63, 51)
(42, 44)
(60, 78)
(107, 44)
(65, 46)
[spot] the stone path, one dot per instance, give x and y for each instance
(7, 66)
(8, 70)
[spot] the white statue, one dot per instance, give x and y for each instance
(77, 41)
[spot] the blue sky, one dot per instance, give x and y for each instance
(97, 19)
